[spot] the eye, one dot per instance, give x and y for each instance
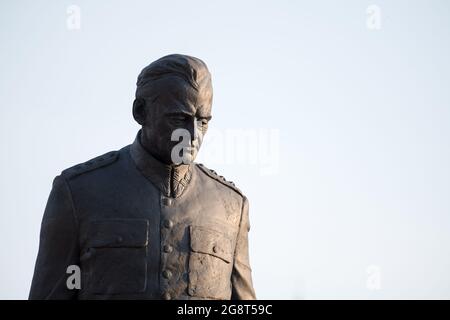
(177, 119)
(202, 122)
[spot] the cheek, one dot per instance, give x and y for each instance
(164, 136)
(201, 134)
(162, 130)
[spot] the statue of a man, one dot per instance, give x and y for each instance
(146, 222)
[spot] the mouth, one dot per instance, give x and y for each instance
(191, 151)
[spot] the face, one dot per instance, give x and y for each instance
(175, 122)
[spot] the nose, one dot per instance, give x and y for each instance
(193, 129)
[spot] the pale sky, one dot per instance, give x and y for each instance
(346, 163)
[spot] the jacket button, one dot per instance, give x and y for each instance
(168, 248)
(166, 296)
(191, 291)
(215, 249)
(167, 274)
(89, 254)
(167, 201)
(168, 223)
(119, 239)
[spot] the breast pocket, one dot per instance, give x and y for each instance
(116, 256)
(210, 263)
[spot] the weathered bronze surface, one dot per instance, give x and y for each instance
(145, 222)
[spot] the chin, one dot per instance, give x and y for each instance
(189, 157)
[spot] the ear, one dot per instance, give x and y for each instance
(139, 111)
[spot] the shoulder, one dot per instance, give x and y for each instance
(96, 163)
(220, 179)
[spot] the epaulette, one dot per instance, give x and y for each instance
(92, 164)
(211, 173)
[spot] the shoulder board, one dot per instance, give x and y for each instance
(92, 164)
(221, 179)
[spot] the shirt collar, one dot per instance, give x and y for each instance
(169, 179)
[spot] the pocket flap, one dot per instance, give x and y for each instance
(212, 242)
(116, 233)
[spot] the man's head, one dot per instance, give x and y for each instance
(173, 92)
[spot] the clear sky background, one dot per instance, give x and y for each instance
(346, 112)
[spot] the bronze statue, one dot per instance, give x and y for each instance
(146, 222)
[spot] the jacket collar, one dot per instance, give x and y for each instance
(169, 179)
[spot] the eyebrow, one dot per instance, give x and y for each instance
(177, 113)
(185, 113)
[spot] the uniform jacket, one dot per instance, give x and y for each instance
(140, 229)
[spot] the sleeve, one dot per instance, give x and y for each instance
(241, 277)
(58, 246)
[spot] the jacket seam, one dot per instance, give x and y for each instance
(235, 260)
(66, 184)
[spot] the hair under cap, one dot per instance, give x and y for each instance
(187, 68)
